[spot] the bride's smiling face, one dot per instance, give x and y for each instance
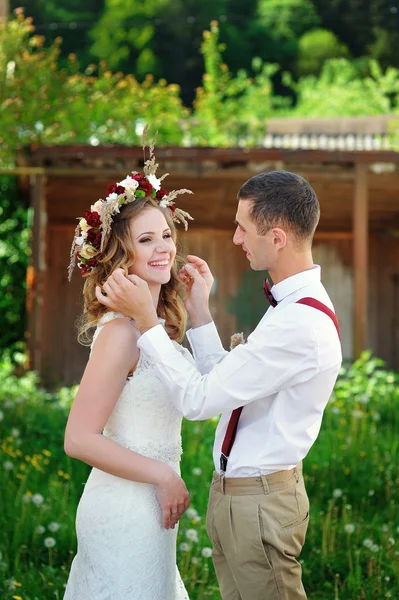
(153, 245)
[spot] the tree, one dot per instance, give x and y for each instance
(342, 89)
(315, 48)
(72, 20)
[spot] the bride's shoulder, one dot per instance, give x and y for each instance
(115, 327)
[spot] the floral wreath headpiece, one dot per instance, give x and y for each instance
(94, 227)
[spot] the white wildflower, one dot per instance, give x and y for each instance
(391, 541)
(349, 528)
(371, 492)
(184, 547)
(53, 527)
(40, 529)
(15, 432)
(37, 499)
(8, 465)
(375, 548)
(195, 560)
(10, 69)
(206, 552)
(337, 493)
(384, 528)
(196, 519)
(192, 535)
(191, 513)
(367, 543)
(49, 542)
(357, 414)
(365, 399)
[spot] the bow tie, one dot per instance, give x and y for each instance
(267, 290)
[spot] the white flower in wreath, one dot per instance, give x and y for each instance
(111, 197)
(81, 239)
(96, 207)
(84, 226)
(164, 203)
(129, 184)
(155, 182)
(88, 251)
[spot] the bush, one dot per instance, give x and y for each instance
(14, 256)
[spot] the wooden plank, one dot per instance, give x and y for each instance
(200, 154)
(360, 258)
(36, 272)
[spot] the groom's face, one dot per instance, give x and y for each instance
(259, 249)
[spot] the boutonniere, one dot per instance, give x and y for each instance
(236, 340)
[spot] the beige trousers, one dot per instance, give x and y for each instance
(257, 526)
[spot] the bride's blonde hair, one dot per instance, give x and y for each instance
(118, 253)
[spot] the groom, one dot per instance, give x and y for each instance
(271, 391)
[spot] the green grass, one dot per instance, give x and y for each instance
(352, 547)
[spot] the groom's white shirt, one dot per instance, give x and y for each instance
(283, 376)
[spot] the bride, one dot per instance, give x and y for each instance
(123, 422)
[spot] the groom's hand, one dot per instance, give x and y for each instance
(130, 296)
(198, 280)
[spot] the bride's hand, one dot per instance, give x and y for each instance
(172, 496)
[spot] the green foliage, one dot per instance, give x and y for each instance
(14, 253)
(285, 21)
(345, 88)
(231, 111)
(351, 477)
(41, 103)
(315, 48)
(124, 34)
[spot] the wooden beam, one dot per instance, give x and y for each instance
(36, 272)
(360, 258)
(39, 154)
(4, 10)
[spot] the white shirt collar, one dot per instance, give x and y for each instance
(294, 283)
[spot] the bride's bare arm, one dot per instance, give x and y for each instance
(113, 356)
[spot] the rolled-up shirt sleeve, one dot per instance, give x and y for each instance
(207, 348)
(267, 363)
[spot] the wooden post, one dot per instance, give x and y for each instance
(360, 259)
(36, 272)
(4, 9)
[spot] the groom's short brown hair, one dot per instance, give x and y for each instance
(282, 199)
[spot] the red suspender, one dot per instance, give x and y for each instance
(235, 415)
(320, 306)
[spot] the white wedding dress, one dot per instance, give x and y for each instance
(124, 552)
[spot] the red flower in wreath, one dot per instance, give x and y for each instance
(94, 238)
(115, 189)
(93, 219)
(161, 193)
(144, 185)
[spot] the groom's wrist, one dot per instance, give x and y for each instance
(146, 322)
(200, 319)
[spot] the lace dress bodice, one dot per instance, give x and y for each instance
(144, 419)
